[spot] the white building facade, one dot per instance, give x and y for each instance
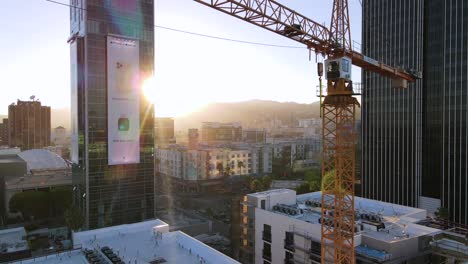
(279, 227)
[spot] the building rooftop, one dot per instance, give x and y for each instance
(399, 221)
(148, 241)
(12, 240)
(144, 242)
(270, 192)
(281, 184)
(75, 256)
(41, 159)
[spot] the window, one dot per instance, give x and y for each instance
(266, 235)
(266, 251)
(262, 204)
(289, 241)
(345, 65)
(289, 258)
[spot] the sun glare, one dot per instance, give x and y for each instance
(170, 101)
(149, 89)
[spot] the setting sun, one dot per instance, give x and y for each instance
(170, 101)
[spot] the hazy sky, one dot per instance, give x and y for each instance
(190, 71)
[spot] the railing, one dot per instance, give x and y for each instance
(357, 89)
(266, 255)
(289, 244)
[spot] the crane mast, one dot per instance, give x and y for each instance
(338, 107)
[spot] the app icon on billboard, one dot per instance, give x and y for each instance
(123, 124)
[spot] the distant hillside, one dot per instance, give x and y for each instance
(255, 113)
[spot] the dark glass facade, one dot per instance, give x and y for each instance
(445, 135)
(415, 141)
(109, 195)
(391, 117)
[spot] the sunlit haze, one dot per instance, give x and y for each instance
(190, 71)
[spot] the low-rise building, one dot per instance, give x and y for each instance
(209, 166)
(215, 132)
(278, 226)
(254, 135)
(143, 243)
(31, 170)
(4, 132)
(13, 244)
(164, 131)
(59, 136)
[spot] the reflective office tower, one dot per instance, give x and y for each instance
(415, 147)
(445, 134)
(112, 53)
(391, 117)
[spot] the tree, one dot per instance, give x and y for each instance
(31, 204)
(241, 165)
(256, 185)
(266, 182)
(60, 199)
(74, 218)
(442, 213)
(220, 168)
(329, 180)
(303, 188)
(314, 179)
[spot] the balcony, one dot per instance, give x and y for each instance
(266, 236)
(289, 245)
(266, 255)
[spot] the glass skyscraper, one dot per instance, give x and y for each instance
(415, 146)
(391, 117)
(112, 51)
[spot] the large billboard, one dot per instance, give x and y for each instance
(74, 101)
(123, 100)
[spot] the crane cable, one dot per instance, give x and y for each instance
(198, 34)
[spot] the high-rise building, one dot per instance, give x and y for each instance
(445, 97)
(4, 132)
(112, 53)
(163, 131)
(214, 132)
(193, 138)
(29, 125)
(414, 141)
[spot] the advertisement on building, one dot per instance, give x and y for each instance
(123, 94)
(74, 101)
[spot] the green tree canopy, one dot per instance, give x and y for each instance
(31, 204)
(74, 218)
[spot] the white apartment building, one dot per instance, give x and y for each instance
(278, 226)
(212, 163)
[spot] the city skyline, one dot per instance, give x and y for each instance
(185, 72)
